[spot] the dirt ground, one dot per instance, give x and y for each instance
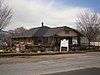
(35, 59)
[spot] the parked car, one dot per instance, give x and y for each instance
(3, 43)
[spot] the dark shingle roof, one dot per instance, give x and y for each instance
(41, 31)
(44, 31)
(28, 33)
(53, 31)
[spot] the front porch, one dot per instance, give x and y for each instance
(42, 44)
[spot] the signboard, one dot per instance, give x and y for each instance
(64, 43)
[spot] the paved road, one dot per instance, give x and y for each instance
(51, 64)
(87, 71)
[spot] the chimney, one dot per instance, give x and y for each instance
(42, 24)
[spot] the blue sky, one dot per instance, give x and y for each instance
(54, 13)
(92, 4)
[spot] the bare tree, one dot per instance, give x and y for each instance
(89, 24)
(5, 14)
(18, 30)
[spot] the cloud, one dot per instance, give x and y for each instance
(30, 13)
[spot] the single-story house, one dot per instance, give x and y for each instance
(46, 38)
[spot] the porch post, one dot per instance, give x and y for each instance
(78, 39)
(53, 43)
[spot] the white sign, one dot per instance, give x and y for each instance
(64, 43)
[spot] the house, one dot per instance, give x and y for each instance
(45, 38)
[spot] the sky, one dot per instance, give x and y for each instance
(54, 13)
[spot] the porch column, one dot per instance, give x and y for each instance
(32, 40)
(78, 39)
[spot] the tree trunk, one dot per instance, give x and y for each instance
(89, 44)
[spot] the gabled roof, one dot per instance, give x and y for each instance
(53, 31)
(44, 31)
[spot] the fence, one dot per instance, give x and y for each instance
(95, 45)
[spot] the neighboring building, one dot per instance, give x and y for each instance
(47, 38)
(96, 43)
(4, 40)
(5, 36)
